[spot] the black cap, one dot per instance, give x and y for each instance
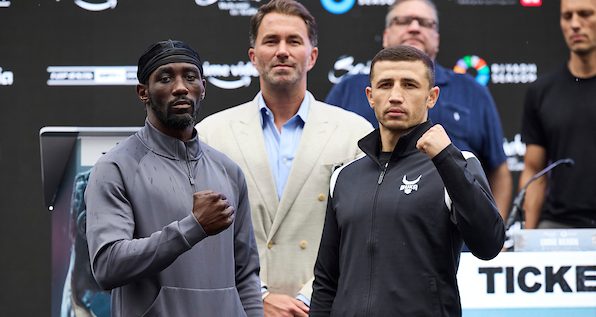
(166, 52)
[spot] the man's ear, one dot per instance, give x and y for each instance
(314, 54)
(251, 55)
(369, 96)
(385, 38)
(432, 98)
(143, 93)
(204, 89)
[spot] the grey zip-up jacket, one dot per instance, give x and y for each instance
(145, 244)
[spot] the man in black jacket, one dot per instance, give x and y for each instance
(396, 218)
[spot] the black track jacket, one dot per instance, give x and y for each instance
(393, 233)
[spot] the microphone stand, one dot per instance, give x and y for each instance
(519, 199)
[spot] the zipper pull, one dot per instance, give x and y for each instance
(190, 177)
(382, 174)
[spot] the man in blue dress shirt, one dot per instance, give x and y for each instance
(288, 144)
(465, 108)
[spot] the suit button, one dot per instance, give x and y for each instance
(270, 245)
(303, 244)
(321, 197)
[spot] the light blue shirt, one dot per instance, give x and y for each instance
(281, 146)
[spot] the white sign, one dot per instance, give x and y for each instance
(528, 280)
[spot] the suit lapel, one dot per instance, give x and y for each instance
(316, 134)
(249, 136)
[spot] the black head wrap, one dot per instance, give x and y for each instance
(166, 52)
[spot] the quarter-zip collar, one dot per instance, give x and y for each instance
(371, 144)
(169, 147)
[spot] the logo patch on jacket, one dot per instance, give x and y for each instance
(409, 186)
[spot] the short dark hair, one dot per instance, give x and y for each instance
(289, 7)
(405, 53)
(397, 2)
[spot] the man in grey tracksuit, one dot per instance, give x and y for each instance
(168, 218)
(393, 248)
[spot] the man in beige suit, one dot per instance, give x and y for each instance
(287, 144)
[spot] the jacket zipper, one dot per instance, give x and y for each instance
(190, 177)
(371, 237)
(382, 174)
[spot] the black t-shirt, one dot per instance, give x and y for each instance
(384, 157)
(560, 115)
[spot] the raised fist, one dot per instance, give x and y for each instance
(212, 211)
(433, 141)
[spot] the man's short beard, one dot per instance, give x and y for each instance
(179, 121)
(172, 120)
(281, 84)
(583, 51)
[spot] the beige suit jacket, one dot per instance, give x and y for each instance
(288, 231)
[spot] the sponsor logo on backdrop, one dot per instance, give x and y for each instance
(230, 76)
(487, 2)
(338, 7)
(531, 3)
(524, 3)
(6, 77)
(96, 5)
(92, 75)
(343, 6)
(4, 3)
(475, 62)
(515, 151)
(498, 73)
(204, 3)
(233, 7)
(345, 65)
(225, 76)
(513, 73)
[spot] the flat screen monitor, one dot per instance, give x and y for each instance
(67, 156)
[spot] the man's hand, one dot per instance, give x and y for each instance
(433, 141)
(280, 305)
(212, 211)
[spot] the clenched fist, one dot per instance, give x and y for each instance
(433, 141)
(212, 211)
